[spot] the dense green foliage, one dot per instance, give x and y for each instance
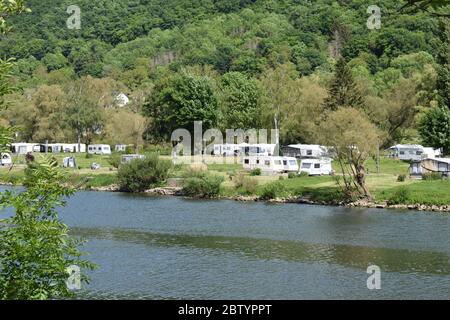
(35, 248)
(230, 63)
(202, 184)
(142, 174)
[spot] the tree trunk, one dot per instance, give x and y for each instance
(361, 180)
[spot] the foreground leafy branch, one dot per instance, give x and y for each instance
(35, 246)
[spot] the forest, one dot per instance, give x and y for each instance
(231, 64)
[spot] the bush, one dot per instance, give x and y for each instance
(255, 172)
(401, 177)
(303, 174)
(272, 190)
(429, 176)
(202, 185)
(89, 156)
(401, 196)
(244, 184)
(292, 175)
(114, 160)
(142, 174)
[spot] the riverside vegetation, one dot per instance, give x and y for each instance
(392, 185)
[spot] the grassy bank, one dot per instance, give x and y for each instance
(384, 185)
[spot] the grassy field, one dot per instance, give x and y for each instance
(384, 185)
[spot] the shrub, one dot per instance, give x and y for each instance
(245, 184)
(255, 172)
(400, 196)
(142, 174)
(292, 175)
(303, 174)
(114, 160)
(401, 177)
(272, 190)
(431, 176)
(89, 156)
(202, 185)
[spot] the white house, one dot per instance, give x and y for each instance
(99, 149)
(316, 166)
(305, 151)
(413, 152)
(267, 164)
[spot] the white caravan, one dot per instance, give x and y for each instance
(290, 164)
(316, 167)
(226, 150)
(24, 148)
(267, 164)
(99, 149)
(127, 158)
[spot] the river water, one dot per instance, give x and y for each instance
(173, 248)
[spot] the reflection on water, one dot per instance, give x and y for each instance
(171, 248)
(392, 260)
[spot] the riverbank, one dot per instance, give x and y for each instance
(387, 190)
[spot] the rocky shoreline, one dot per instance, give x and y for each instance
(177, 191)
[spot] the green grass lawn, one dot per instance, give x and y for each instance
(383, 186)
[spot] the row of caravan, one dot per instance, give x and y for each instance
(273, 165)
(24, 148)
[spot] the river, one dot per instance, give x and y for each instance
(172, 248)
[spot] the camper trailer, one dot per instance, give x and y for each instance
(429, 165)
(226, 150)
(290, 164)
(316, 167)
(267, 164)
(305, 151)
(24, 148)
(412, 152)
(62, 147)
(99, 149)
(120, 147)
(257, 149)
(126, 158)
(5, 160)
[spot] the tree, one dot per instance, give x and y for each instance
(85, 103)
(240, 101)
(434, 7)
(179, 100)
(434, 128)
(35, 248)
(353, 139)
(343, 91)
(443, 60)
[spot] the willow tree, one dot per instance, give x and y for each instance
(353, 139)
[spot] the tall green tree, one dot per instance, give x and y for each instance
(240, 102)
(435, 128)
(178, 101)
(343, 91)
